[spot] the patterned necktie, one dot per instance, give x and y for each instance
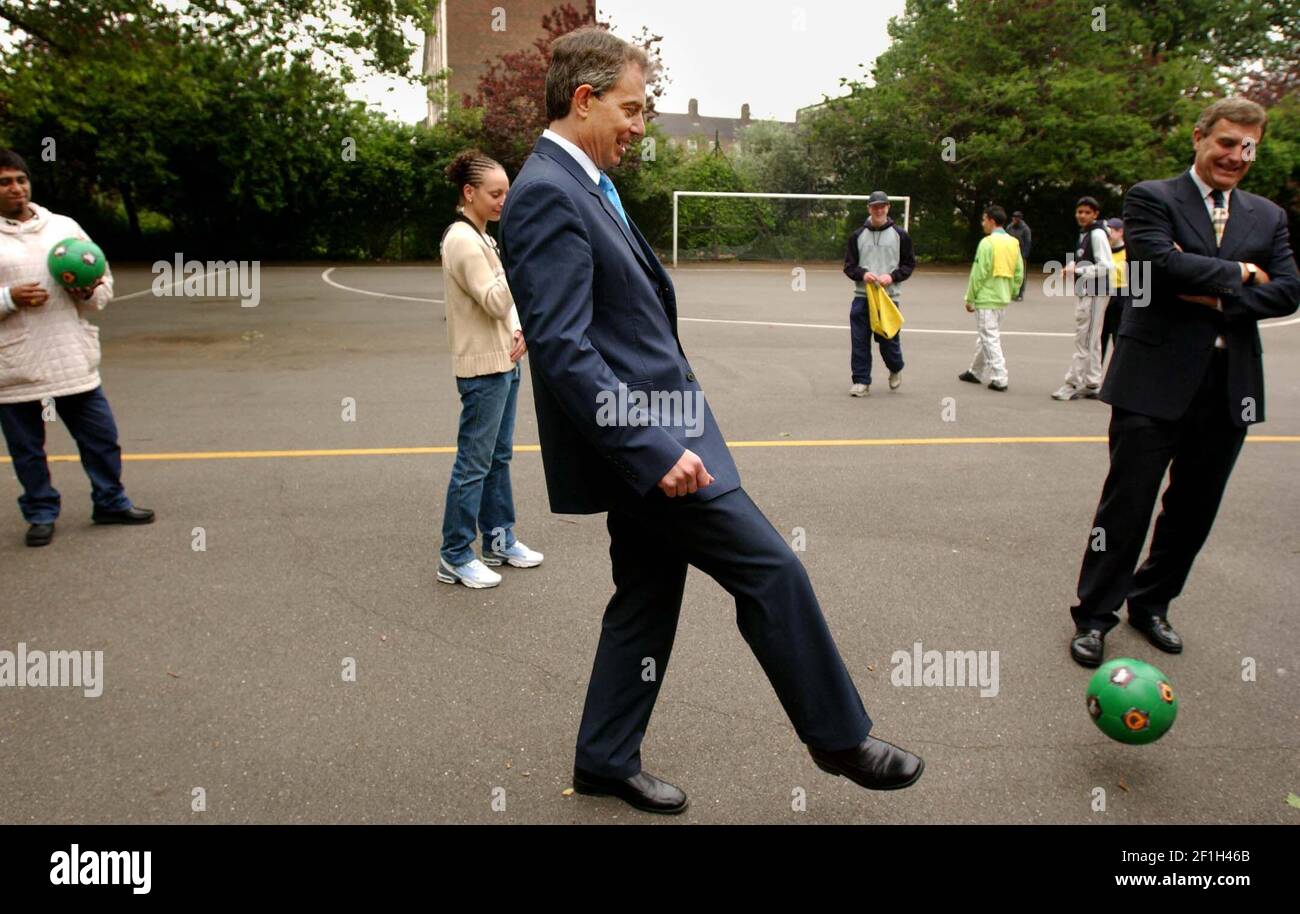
(607, 187)
(1220, 217)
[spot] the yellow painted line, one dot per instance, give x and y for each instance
(534, 448)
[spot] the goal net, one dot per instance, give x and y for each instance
(730, 225)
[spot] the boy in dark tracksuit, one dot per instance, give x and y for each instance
(878, 252)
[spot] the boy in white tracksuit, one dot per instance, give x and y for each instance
(1091, 273)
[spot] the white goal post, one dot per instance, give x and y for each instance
(677, 194)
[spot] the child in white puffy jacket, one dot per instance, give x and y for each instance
(49, 353)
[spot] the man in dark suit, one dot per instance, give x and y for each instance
(601, 320)
(1187, 378)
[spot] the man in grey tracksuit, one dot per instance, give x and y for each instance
(878, 252)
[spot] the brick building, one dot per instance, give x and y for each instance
(467, 33)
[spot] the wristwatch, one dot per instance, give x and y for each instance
(1252, 274)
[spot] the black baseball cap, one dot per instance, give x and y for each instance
(877, 196)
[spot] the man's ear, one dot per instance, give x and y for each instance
(582, 97)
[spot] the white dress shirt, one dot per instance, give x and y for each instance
(1207, 197)
(578, 155)
(1207, 194)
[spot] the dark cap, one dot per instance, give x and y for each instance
(1018, 213)
(1089, 202)
(1115, 222)
(877, 196)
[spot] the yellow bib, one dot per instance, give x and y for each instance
(886, 319)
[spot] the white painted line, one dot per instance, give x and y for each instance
(713, 320)
(710, 320)
(326, 276)
(172, 285)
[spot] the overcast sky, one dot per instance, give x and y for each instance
(774, 54)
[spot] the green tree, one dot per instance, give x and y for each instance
(1031, 105)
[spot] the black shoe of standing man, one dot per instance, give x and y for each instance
(1161, 634)
(1088, 646)
(129, 516)
(875, 764)
(642, 790)
(40, 534)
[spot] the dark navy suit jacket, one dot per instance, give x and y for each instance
(597, 310)
(1163, 350)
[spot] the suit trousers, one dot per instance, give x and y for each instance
(652, 542)
(1199, 450)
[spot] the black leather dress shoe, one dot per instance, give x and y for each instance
(1161, 634)
(1088, 646)
(875, 764)
(129, 516)
(642, 790)
(40, 534)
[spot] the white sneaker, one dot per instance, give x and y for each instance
(1067, 392)
(860, 390)
(895, 380)
(518, 555)
(472, 574)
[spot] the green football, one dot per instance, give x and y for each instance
(1131, 701)
(76, 263)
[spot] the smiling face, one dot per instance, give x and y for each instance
(1085, 216)
(15, 193)
(879, 213)
(611, 123)
(1222, 159)
(486, 200)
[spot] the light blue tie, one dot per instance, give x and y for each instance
(607, 187)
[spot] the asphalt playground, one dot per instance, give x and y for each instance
(942, 513)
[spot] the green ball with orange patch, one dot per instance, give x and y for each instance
(1131, 701)
(76, 263)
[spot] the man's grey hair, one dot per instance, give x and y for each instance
(1235, 108)
(588, 56)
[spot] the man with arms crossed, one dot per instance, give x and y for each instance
(599, 313)
(1187, 377)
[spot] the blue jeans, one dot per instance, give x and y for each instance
(479, 491)
(90, 422)
(860, 336)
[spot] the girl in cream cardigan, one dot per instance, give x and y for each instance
(486, 345)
